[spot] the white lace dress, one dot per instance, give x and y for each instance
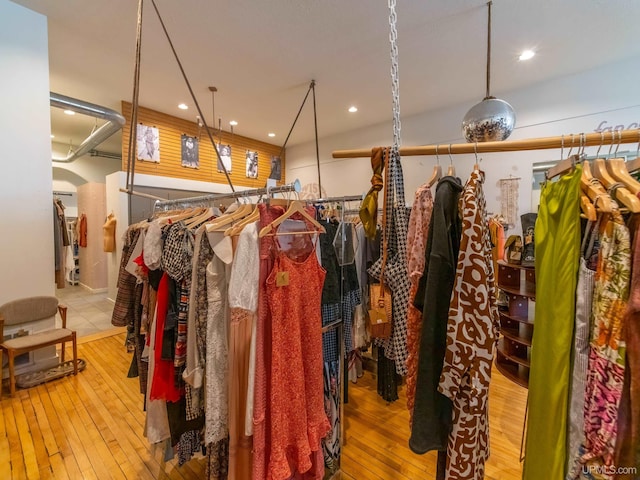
(216, 380)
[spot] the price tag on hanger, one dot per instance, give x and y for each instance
(282, 279)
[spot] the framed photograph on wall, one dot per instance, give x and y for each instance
(148, 143)
(252, 164)
(276, 168)
(225, 156)
(190, 155)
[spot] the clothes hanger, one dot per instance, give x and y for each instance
(621, 194)
(295, 207)
(476, 166)
(236, 229)
(594, 189)
(222, 221)
(181, 215)
(588, 209)
(634, 165)
(451, 171)
(618, 170)
(437, 171)
(198, 219)
(563, 166)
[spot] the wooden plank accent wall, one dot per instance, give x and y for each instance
(171, 128)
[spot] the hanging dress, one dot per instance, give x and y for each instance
(432, 410)
(628, 441)
(416, 244)
(298, 420)
(262, 421)
(605, 375)
(243, 301)
(557, 247)
(584, 301)
(472, 332)
(396, 276)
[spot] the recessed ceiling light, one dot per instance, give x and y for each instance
(233, 123)
(353, 109)
(53, 136)
(183, 106)
(271, 134)
(526, 55)
(69, 112)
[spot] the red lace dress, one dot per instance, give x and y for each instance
(298, 419)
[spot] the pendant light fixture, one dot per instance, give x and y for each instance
(492, 119)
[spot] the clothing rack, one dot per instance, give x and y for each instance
(616, 137)
(348, 198)
(143, 195)
(255, 192)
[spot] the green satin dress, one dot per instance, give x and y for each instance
(557, 255)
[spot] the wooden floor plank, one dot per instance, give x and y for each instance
(18, 468)
(72, 468)
(92, 426)
(42, 422)
(41, 455)
(58, 467)
(5, 449)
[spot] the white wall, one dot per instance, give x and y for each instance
(26, 245)
(573, 104)
(117, 203)
(84, 169)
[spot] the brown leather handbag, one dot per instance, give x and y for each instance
(380, 311)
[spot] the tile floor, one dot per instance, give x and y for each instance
(88, 313)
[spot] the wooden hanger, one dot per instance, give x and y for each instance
(594, 190)
(622, 195)
(238, 227)
(181, 215)
(563, 166)
(435, 176)
(222, 221)
(295, 207)
(476, 166)
(451, 171)
(437, 171)
(198, 219)
(587, 208)
(633, 165)
(618, 170)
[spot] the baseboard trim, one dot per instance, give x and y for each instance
(94, 290)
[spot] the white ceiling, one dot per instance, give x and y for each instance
(261, 56)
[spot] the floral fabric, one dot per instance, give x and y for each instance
(416, 244)
(607, 346)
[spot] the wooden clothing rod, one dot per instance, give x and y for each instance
(543, 143)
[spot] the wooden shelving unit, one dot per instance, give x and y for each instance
(516, 321)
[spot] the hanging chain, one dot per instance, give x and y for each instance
(395, 83)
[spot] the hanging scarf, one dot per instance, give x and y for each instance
(369, 206)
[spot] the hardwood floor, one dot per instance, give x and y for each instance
(90, 427)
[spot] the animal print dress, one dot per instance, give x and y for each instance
(472, 330)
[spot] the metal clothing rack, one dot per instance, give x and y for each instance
(615, 137)
(339, 326)
(206, 199)
(347, 198)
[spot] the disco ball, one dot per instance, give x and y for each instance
(490, 120)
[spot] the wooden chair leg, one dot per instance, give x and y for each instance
(64, 344)
(75, 353)
(12, 373)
